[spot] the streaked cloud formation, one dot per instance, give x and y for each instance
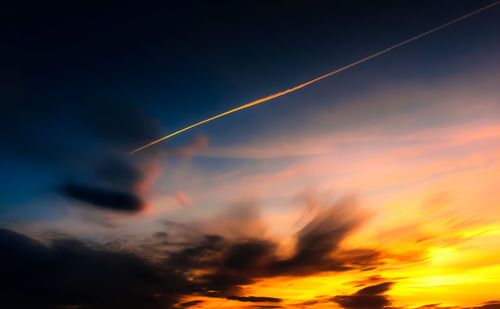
(378, 189)
(292, 235)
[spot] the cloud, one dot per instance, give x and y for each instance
(86, 148)
(226, 263)
(373, 297)
(103, 198)
(487, 305)
(490, 305)
(317, 247)
(67, 272)
(382, 113)
(190, 303)
(375, 289)
(437, 306)
(255, 299)
(366, 298)
(86, 143)
(164, 269)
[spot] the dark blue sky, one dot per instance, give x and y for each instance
(373, 188)
(178, 63)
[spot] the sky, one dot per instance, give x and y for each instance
(373, 188)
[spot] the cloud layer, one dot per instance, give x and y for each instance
(68, 272)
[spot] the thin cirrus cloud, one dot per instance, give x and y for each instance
(405, 112)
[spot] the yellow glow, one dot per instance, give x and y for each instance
(434, 204)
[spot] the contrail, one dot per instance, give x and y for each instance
(456, 20)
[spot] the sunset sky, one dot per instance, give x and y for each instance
(374, 188)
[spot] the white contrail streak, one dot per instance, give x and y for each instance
(456, 20)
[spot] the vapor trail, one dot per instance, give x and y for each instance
(262, 100)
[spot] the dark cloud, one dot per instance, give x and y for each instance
(367, 298)
(202, 254)
(317, 247)
(248, 255)
(88, 142)
(490, 305)
(67, 272)
(375, 289)
(228, 263)
(190, 303)
(311, 302)
(85, 141)
(362, 301)
(432, 306)
(255, 299)
(103, 198)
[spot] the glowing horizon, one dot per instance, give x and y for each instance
(378, 190)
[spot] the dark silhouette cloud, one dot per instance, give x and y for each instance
(103, 198)
(433, 306)
(67, 272)
(311, 302)
(232, 263)
(490, 305)
(317, 247)
(255, 299)
(87, 142)
(375, 289)
(190, 303)
(90, 276)
(367, 298)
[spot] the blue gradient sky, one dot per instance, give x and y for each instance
(412, 135)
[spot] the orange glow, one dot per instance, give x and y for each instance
(429, 189)
(438, 234)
